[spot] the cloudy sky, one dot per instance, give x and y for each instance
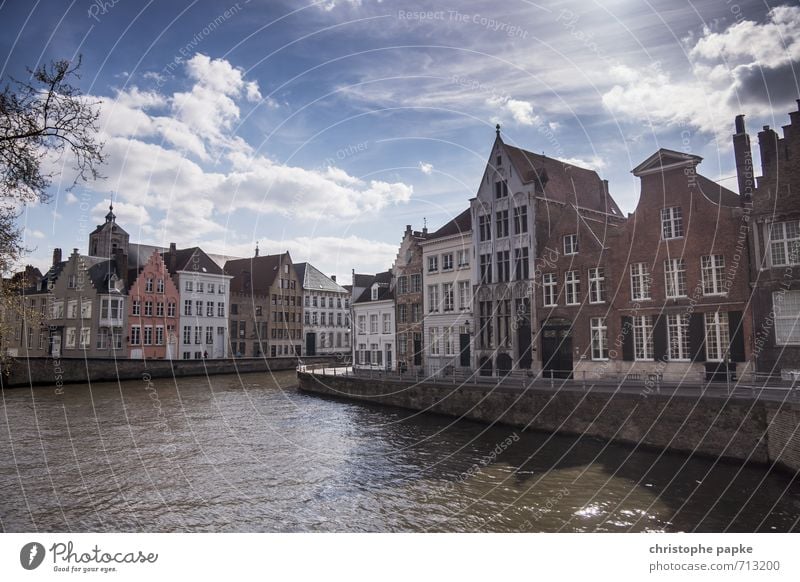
(324, 128)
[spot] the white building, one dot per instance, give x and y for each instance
(447, 302)
(204, 300)
(326, 312)
(374, 329)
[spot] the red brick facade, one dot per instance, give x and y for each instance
(153, 312)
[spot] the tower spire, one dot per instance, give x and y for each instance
(111, 217)
(497, 129)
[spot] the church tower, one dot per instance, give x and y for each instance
(108, 237)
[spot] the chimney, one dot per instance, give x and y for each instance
(768, 144)
(333, 278)
(173, 250)
(121, 261)
(743, 154)
(56, 256)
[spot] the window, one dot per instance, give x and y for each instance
(786, 305)
(209, 335)
(501, 220)
(643, 337)
(387, 323)
(571, 244)
(70, 342)
(550, 286)
(503, 266)
(198, 308)
(148, 308)
(72, 309)
(85, 338)
(72, 283)
(447, 341)
(374, 293)
(671, 223)
(199, 286)
(485, 323)
(221, 289)
(189, 286)
(187, 334)
(447, 262)
(433, 298)
(486, 269)
(504, 323)
(235, 307)
(597, 285)
(521, 220)
(220, 309)
(464, 302)
(416, 283)
(484, 228)
(713, 268)
(136, 307)
(102, 339)
(678, 337)
(136, 335)
(362, 324)
(171, 309)
(187, 307)
(449, 297)
(402, 285)
(675, 278)
(572, 287)
(209, 309)
(784, 243)
(463, 258)
(198, 333)
(148, 335)
(402, 313)
(148, 285)
(717, 335)
(416, 312)
(58, 309)
(640, 281)
(599, 338)
(322, 318)
(521, 264)
(160, 309)
(500, 189)
(159, 335)
(434, 341)
(433, 264)
(373, 323)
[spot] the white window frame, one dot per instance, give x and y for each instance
(678, 337)
(639, 272)
(643, 338)
(671, 223)
(571, 244)
(572, 288)
(549, 289)
(717, 335)
(599, 339)
(778, 238)
(791, 315)
(712, 268)
(597, 285)
(675, 278)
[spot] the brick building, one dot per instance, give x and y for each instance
(774, 243)
(408, 290)
(152, 311)
(266, 306)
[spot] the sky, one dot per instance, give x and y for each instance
(323, 128)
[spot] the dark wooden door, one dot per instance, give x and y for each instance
(557, 351)
(311, 344)
(464, 352)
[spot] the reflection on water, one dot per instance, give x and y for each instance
(250, 453)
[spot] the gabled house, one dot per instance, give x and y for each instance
(326, 312)
(374, 324)
(408, 271)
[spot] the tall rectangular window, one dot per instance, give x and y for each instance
(521, 264)
(484, 227)
(373, 323)
(599, 331)
(503, 266)
(433, 264)
(717, 335)
(678, 336)
(416, 283)
(520, 220)
(500, 189)
(402, 313)
(387, 323)
(504, 323)
(671, 223)
(640, 281)
(597, 285)
(550, 288)
(643, 337)
(501, 223)
(571, 244)
(786, 306)
(675, 278)
(713, 271)
(433, 298)
(187, 334)
(784, 243)
(463, 258)
(136, 335)
(486, 268)
(464, 302)
(485, 323)
(434, 341)
(447, 261)
(148, 335)
(362, 324)
(448, 297)
(572, 287)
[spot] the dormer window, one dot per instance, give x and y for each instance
(571, 244)
(671, 223)
(374, 292)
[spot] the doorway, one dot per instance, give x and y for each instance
(557, 349)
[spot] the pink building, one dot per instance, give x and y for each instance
(153, 311)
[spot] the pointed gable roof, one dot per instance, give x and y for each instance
(255, 274)
(313, 279)
(665, 159)
(459, 225)
(192, 259)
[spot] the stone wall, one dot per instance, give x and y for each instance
(49, 371)
(737, 428)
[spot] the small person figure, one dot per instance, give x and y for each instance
(205, 355)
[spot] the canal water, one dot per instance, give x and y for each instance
(251, 453)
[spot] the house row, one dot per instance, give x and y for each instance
(544, 274)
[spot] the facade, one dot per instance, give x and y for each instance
(374, 325)
(153, 311)
(447, 300)
(266, 316)
(774, 244)
(326, 312)
(203, 305)
(505, 223)
(108, 237)
(408, 292)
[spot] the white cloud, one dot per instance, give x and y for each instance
(71, 198)
(426, 168)
(131, 215)
(521, 111)
(32, 233)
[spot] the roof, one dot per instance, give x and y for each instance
(459, 225)
(315, 280)
(385, 290)
(139, 254)
(563, 182)
(716, 193)
(185, 261)
(361, 280)
(665, 158)
(101, 272)
(255, 274)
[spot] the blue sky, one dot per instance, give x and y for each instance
(323, 128)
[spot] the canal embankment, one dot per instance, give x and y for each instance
(62, 371)
(743, 429)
